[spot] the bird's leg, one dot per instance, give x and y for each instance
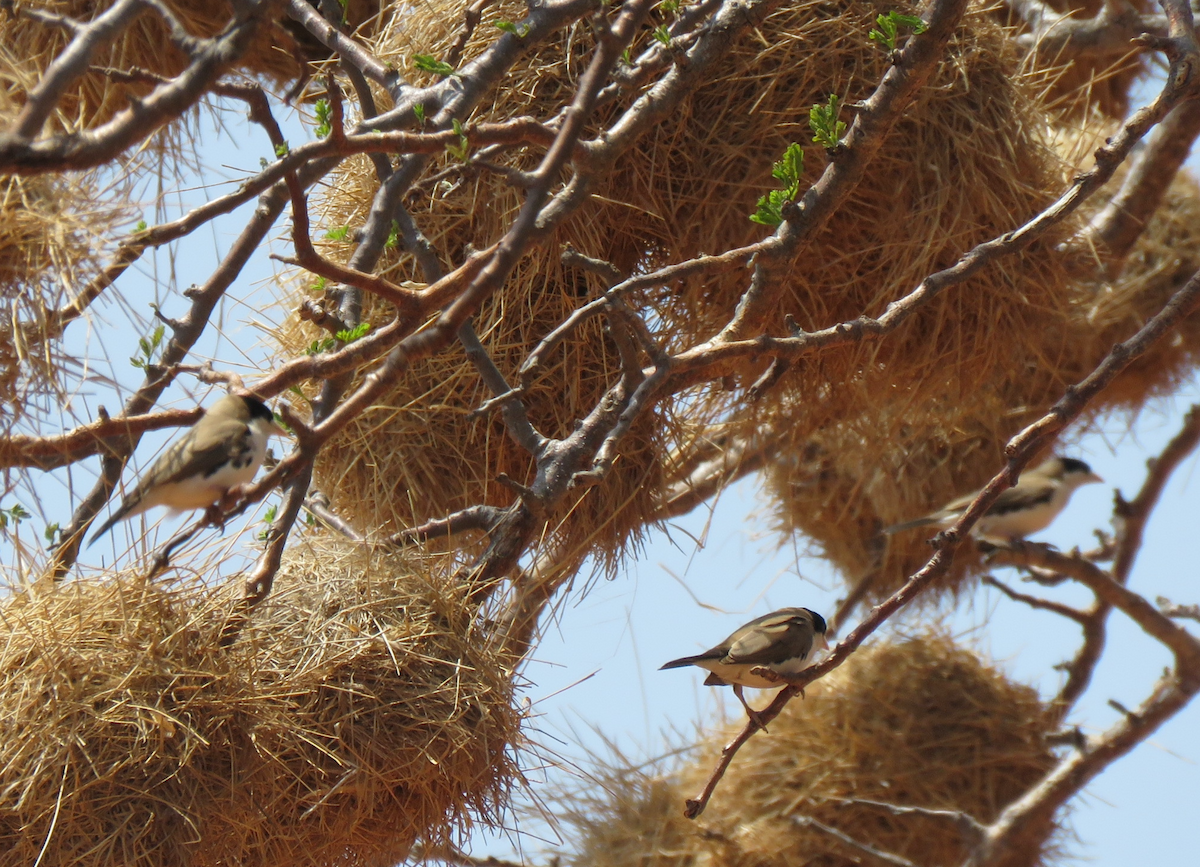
(750, 712)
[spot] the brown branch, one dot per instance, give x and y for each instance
(736, 460)
(345, 47)
(70, 64)
(21, 155)
(1055, 37)
(1121, 222)
(970, 827)
(317, 504)
(471, 17)
(102, 436)
(481, 518)
(866, 849)
(911, 68)
(1080, 617)
(1171, 694)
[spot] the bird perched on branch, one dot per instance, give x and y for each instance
(1025, 508)
(763, 654)
(222, 450)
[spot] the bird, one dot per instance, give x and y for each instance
(1027, 507)
(222, 450)
(763, 654)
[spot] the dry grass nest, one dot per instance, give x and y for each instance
(360, 711)
(968, 162)
(918, 722)
(276, 53)
(839, 486)
(1078, 84)
(53, 234)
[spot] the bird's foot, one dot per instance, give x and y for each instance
(767, 674)
(756, 718)
(775, 677)
(215, 515)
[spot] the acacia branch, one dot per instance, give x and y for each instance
(20, 155)
(1080, 617)
(70, 64)
(1119, 224)
(874, 852)
(346, 48)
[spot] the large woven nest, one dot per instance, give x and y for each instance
(919, 722)
(275, 55)
(968, 162)
(840, 484)
(1079, 81)
(361, 710)
(52, 237)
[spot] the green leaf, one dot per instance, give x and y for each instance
(662, 34)
(419, 113)
(889, 28)
(148, 345)
(341, 233)
(324, 344)
(141, 226)
(282, 150)
(669, 7)
(788, 171)
(823, 120)
(324, 114)
(463, 149)
(429, 63)
(518, 30)
(393, 237)
(50, 533)
(268, 519)
(358, 331)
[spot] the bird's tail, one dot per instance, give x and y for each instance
(684, 660)
(909, 525)
(106, 526)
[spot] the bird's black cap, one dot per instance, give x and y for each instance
(257, 408)
(818, 621)
(1074, 465)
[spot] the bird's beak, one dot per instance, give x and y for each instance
(1091, 478)
(824, 641)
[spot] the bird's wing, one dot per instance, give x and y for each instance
(1023, 496)
(771, 639)
(200, 452)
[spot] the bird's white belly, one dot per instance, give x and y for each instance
(198, 492)
(1017, 525)
(742, 673)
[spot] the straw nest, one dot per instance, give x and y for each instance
(52, 237)
(968, 162)
(1079, 83)
(840, 484)
(361, 710)
(1165, 257)
(919, 722)
(275, 54)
